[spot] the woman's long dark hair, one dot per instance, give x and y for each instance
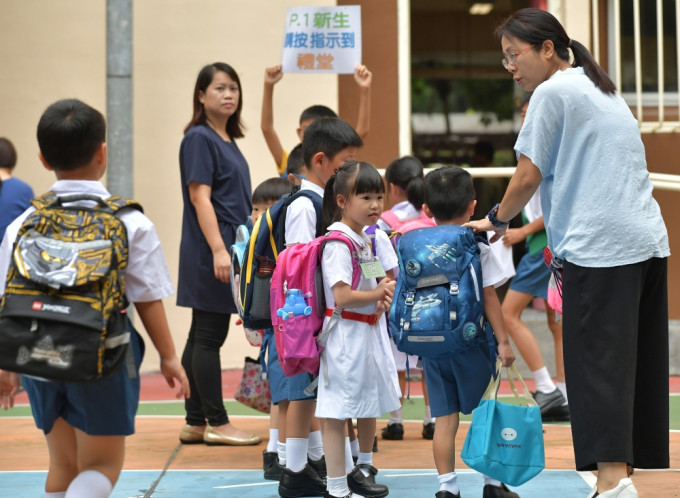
(352, 178)
(535, 26)
(234, 126)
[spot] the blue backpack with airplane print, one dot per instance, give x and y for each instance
(438, 306)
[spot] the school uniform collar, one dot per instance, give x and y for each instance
(80, 187)
(361, 240)
(307, 185)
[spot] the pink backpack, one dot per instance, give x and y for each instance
(297, 302)
(404, 226)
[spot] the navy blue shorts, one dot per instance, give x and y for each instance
(297, 385)
(532, 276)
(278, 382)
(456, 383)
(104, 407)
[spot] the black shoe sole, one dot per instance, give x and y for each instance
(287, 493)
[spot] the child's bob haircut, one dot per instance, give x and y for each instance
(330, 136)
(69, 134)
(448, 192)
(352, 178)
(271, 190)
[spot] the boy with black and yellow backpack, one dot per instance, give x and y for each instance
(74, 263)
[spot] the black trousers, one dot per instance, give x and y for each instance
(615, 334)
(201, 360)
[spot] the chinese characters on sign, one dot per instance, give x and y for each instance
(322, 40)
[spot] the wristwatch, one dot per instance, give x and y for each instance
(495, 221)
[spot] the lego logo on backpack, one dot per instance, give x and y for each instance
(55, 308)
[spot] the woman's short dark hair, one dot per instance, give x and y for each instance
(69, 134)
(535, 26)
(235, 127)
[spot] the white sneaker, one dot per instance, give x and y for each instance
(625, 489)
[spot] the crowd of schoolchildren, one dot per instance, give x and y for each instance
(314, 448)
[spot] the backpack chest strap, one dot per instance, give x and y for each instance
(371, 319)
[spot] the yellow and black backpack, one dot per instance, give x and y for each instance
(63, 314)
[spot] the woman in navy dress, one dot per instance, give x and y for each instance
(216, 192)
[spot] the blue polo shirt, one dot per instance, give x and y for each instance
(596, 193)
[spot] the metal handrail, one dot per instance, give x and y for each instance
(662, 181)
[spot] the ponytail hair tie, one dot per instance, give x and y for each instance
(569, 44)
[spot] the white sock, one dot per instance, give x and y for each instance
(58, 494)
(315, 449)
(395, 417)
(281, 450)
(349, 463)
(89, 484)
(562, 386)
(296, 453)
(543, 380)
(355, 447)
(448, 482)
(337, 486)
(491, 480)
(273, 440)
(427, 419)
(366, 458)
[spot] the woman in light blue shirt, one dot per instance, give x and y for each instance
(581, 144)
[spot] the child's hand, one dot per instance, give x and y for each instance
(363, 76)
(513, 236)
(172, 369)
(506, 354)
(272, 75)
(9, 386)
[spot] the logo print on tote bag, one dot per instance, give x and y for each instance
(509, 434)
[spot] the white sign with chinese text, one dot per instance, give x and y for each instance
(322, 40)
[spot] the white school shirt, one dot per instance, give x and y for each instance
(146, 277)
(301, 216)
(359, 378)
(404, 210)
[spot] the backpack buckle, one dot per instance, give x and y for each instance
(454, 288)
(410, 298)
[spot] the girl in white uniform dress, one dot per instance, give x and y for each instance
(358, 377)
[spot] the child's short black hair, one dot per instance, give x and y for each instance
(8, 154)
(69, 134)
(295, 160)
(330, 136)
(317, 112)
(271, 190)
(448, 192)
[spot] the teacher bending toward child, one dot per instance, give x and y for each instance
(581, 144)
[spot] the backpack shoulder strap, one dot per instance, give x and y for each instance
(353, 251)
(44, 200)
(317, 202)
(391, 219)
(117, 203)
